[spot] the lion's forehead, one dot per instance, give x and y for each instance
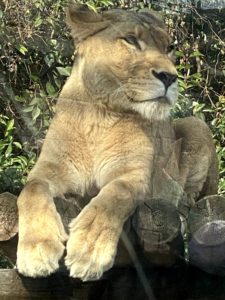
(146, 17)
(147, 27)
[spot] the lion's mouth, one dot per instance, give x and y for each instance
(161, 99)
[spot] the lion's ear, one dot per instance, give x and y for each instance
(84, 22)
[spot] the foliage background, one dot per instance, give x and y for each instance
(36, 54)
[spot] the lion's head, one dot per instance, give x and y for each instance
(123, 60)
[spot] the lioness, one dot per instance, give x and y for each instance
(122, 83)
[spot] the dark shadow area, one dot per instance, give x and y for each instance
(180, 282)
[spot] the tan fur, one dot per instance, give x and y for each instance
(101, 136)
(198, 164)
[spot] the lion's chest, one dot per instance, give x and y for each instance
(101, 149)
(115, 150)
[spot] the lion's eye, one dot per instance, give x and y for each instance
(132, 40)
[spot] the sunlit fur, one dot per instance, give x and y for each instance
(119, 74)
(107, 134)
(99, 137)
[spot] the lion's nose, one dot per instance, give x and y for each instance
(165, 77)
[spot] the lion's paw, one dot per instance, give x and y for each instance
(92, 244)
(39, 259)
(41, 246)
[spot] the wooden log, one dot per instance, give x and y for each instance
(206, 224)
(8, 227)
(8, 216)
(158, 227)
(124, 283)
(15, 286)
(8, 250)
(170, 283)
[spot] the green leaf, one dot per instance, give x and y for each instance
(22, 49)
(18, 145)
(19, 99)
(50, 21)
(179, 53)
(2, 146)
(53, 42)
(36, 112)
(23, 160)
(35, 78)
(9, 127)
(92, 6)
(28, 109)
(8, 150)
(64, 71)
(106, 2)
(34, 101)
(197, 107)
(196, 54)
(38, 22)
(50, 89)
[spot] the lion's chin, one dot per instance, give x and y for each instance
(153, 110)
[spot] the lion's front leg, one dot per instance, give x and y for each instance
(94, 234)
(41, 232)
(92, 244)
